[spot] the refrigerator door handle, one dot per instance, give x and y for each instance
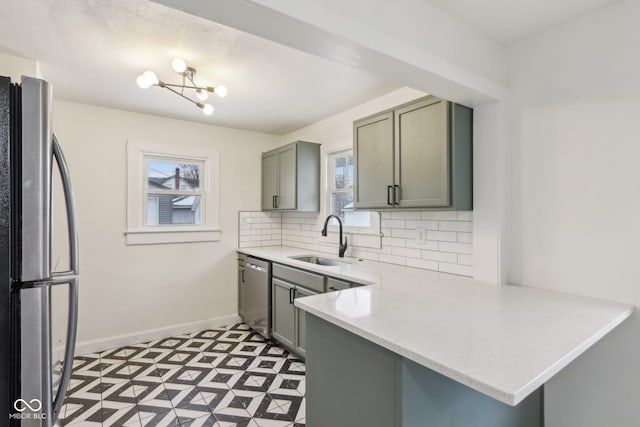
(72, 221)
(70, 347)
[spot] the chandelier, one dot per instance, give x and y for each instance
(149, 78)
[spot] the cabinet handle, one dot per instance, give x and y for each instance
(292, 295)
(242, 275)
(273, 201)
(396, 196)
(389, 195)
(277, 202)
(333, 288)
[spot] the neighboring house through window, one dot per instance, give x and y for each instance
(172, 195)
(340, 195)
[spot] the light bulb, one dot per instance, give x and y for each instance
(179, 65)
(221, 91)
(151, 77)
(207, 109)
(143, 82)
(202, 94)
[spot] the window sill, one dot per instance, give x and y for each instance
(172, 235)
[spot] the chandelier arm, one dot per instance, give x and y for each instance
(187, 86)
(180, 94)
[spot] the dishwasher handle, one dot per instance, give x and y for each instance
(255, 267)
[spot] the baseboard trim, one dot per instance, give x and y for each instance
(94, 346)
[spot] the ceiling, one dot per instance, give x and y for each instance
(509, 21)
(93, 50)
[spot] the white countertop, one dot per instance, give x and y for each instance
(503, 341)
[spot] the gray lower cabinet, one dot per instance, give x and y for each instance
(301, 323)
(418, 155)
(283, 312)
(350, 381)
(289, 322)
(291, 177)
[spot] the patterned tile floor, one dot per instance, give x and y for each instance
(220, 377)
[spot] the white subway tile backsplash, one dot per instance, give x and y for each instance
(259, 229)
(408, 252)
(422, 263)
(440, 256)
(442, 236)
(405, 215)
(429, 225)
(460, 248)
(463, 270)
(465, 259)
(404, 233)
(430, 245)
(440, 216)
(392, 223)
(465, 237)
(465, 226)
(448, 246)
(394, 241)
(465, 216)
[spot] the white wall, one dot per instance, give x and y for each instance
(575, 196)
(128, 289)
(17, 66)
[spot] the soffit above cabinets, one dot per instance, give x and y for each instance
(92, 52)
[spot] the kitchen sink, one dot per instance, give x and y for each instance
(312, 259)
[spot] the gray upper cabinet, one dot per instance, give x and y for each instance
(291, 177)
(419, 155)
(269, 179)
(373, 151)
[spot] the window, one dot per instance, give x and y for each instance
(173, 192)
(340, 194)
(172, 195)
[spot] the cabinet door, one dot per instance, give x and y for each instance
(373, 161)
(283, 314)
(269, 179)
(301, 322)
(422, 154)
(287, 182)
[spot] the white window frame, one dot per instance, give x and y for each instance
(137, 232)
(374, 222)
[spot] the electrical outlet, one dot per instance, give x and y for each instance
(422, 235)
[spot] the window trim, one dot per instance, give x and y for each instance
(374, 224)
(137, 232)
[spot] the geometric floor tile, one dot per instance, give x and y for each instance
(222, 377)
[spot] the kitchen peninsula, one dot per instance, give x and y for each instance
(418, 345)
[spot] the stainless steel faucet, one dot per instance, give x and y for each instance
(342, 246)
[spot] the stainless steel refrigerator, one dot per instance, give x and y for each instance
(29, 151)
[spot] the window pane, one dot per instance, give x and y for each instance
(173, 209)
(152, 210)
(339, 167)
(171, 175)
(341, 202)
(343, 172)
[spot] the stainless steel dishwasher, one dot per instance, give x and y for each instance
(254, 293)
